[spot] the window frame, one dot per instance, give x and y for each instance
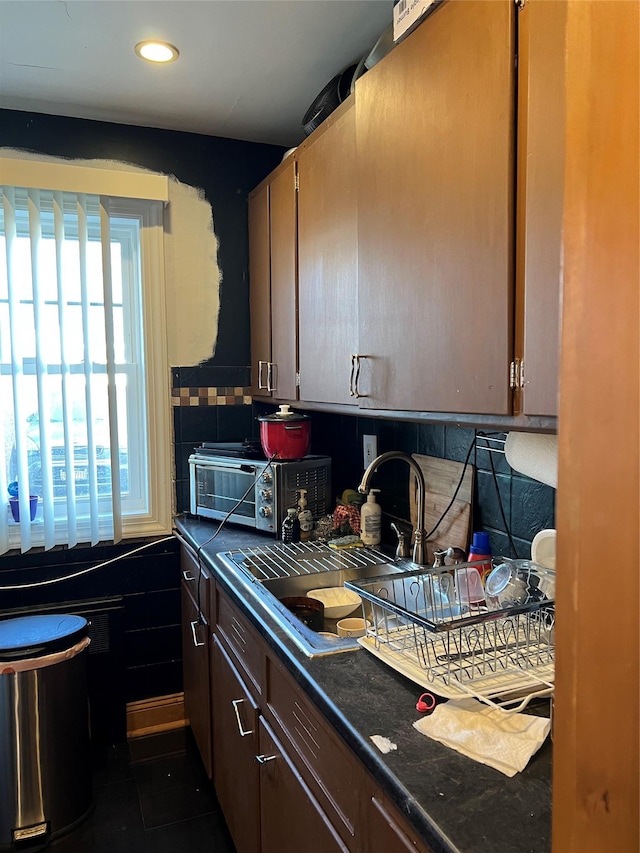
(144, 201)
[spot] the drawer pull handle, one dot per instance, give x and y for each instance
(193, 633)
(187, 576)
(262, 759)
(243, 732)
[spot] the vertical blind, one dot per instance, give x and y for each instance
(61, 321)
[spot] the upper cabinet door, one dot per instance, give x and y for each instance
(541, 123)
(273, 284)
(259, 288)
(327, 259)
(284, 309)
(435, 181)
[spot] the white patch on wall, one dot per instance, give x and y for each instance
(192, 274)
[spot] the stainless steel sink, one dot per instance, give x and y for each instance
(278, 571)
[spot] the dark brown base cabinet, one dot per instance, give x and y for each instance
(236, 744)
(196, 632)
(290, 816)
(285, 779)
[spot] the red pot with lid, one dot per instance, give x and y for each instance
(285, 434)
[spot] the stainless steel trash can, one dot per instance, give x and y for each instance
(45, 770)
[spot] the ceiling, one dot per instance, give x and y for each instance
(248, 69)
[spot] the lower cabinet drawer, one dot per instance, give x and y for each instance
(291, 819)
(242, 641)
(328, 767)
(387, 829)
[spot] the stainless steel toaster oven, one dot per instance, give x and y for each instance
(256, 492)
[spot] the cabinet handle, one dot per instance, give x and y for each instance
(262, 759)
(355, 361)
(352, 392)
(270, 374)
(243, 732)
(187, 576)
(193, 633)
(261, 365)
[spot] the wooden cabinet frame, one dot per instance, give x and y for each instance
(273, 283)
(596, 744)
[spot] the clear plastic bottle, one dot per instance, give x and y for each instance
(290, 527)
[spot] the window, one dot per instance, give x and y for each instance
(83, 368)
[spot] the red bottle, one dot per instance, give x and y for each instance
(480, 552)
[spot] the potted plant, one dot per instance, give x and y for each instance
(14, 502)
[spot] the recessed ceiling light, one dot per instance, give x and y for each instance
(156, 51)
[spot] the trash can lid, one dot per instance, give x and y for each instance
(36, 636)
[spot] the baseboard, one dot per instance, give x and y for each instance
(151, 716)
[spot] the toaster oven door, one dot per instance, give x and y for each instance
(219, 488)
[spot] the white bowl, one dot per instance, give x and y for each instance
(353, 627)
(338, 601)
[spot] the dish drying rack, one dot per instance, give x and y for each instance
(504, 658)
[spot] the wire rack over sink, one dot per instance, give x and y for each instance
(502, 657)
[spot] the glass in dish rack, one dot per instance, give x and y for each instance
(435, 626)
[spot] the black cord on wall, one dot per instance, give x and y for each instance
(507, 529)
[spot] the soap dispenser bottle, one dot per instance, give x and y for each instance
(305, 516)
(371, 519)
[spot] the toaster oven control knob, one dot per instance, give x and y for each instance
(266, 494)
(266, 511)
(266, 477)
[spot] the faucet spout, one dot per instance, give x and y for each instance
(363, 488)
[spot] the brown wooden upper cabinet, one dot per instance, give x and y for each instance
(327, 258)
(428, 245)
(435, 163)
(273, 283)
(541, 123)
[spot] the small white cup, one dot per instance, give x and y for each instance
(352, 627)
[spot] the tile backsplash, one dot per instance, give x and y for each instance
(209, 404)
(504, 501)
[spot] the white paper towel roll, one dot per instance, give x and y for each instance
(535, 455)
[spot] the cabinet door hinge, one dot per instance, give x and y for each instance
(297, 380)
(516, 373)
(297, 182)
(520, 4)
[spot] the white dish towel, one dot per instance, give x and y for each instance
(486, 734)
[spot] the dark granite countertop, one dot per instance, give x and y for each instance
(457, 805)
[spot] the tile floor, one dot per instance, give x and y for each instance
(151, 795)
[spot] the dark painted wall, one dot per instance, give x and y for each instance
(225, 169)
(136, 652)
(149, 655)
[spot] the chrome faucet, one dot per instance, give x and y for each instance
(363, 488)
